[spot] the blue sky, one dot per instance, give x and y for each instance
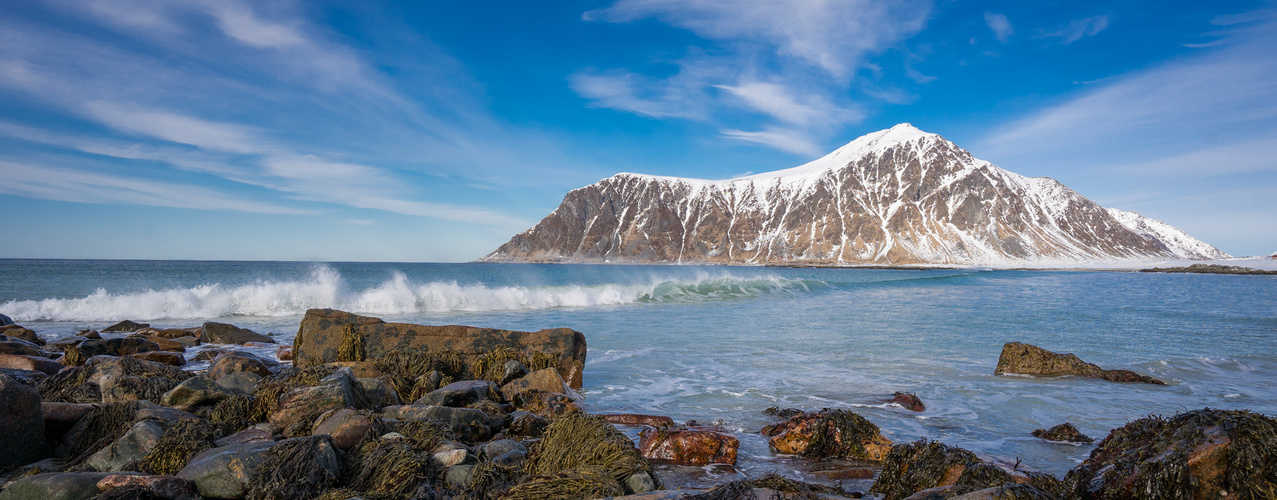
(433, 131)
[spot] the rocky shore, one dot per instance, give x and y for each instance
(361, 408)
(1210, 269)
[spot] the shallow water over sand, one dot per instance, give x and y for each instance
(719, 344)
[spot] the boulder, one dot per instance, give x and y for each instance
(828, 434)
(909, 401)
(526, 424)
(379, 393)
(21, 347)
(113, 347)
(323, 331)
(65, 412)
(5, 321)
(240, 383)
(21, 424)
(346, 427)
(512, 370)
(222, 333)
(1026, 359)
(545, 404)
(20, 333)
(930, 469)
(547, 380)
(362, 369)
(299, 408)
(637, 419)
(499, 447)
(30, 363)
(246, 436)
(1064, 432)
(209, 354)
(449, 458)
(169, 333)
(162, 357)
(131, 447)
(55, 486)
(640, 482)
(165, 344)
(169, 487)
(694, 446)
(125, 326)
(469, 424)
(235, 362)
(1198, 454)
(25, 377)
(225, 472)
(284, 353)
(187, 341)
(463, 393)
(195, 392)
(128, 379)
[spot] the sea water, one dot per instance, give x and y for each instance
(721, 344)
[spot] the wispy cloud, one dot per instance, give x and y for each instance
(1000, 25)
(788, 64)
(1078, 29)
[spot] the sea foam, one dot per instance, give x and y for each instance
(398, 295)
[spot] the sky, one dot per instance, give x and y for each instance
(434, 131)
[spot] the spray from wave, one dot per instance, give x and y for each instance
(399, 295)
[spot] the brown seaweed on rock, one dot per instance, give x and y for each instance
(294, 470)
(924, 464)
(1198, 454)
(390, 469)
(181, 442)
(129, 493)
(99, 428)
(405, 370)
(578, 440)
(585, 482)
(491, 481)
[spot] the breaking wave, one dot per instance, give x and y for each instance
(399, 295)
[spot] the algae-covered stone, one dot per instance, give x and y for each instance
(116, 347)
(929, 469)
(55, 486)
(828, 434)
(225, 472)
(689, 446)
(469, 424)
(1198, 454)
(1064, 432)
(20, 333)
(346, 427)
(21, 424)
(324, 332)
(134, 445)
(194, 392)
(125, 327)
(1025, 359)
(235, 362)
(547, 380)
(460, 394)
(222, 333)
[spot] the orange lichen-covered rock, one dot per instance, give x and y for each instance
(829, 434)
(695, 446)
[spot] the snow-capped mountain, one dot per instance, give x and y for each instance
(897, 196)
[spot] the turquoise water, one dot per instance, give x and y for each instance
(723, 343)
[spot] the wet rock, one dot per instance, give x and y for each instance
(284, 353)
(239, 383)
(929, 469)
(460, 394)
(65, 412)
(165, 344)
(512, 370)
(496, 448)
(845, 473)
(689, 446)
(222, 333)
(909, 401)
(187, 341)
(235, 362)
(246, 436)
(131, 447)
(21, 424)
(195, 392)
(125, 326)
(458, 476)
(163, 357)
(21, 347)
(116, 347)
(546, 404)
(90, 334)
(1064, 432)
(361, 369)
(379, 393)
(547, 380)
(637, 419)
(640, 482)
(1198, 454)
(5, 320)
(828, 434)
(20, 333)
(1025, 359)
(30, 363)
(346, 427)
(225, 472)
(469, 424)
(323, 332)
(209, 354)
(170, 333)
(1008, 492)
(299, 408)
(25, 377)
(779, 412)
(55, 486)
(449, 458)
(526, 423)
(169, 487)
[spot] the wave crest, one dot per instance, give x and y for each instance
(399, 295)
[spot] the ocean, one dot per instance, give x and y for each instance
(721, 344)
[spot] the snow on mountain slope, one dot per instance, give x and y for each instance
(897, 196)
(1175, 239)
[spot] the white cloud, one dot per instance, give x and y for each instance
(627, 91)
(1078, 29)
(778, 138)
(1000, 25)
(175, 127)
(781, 103)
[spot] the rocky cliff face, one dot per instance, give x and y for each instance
(897, 196)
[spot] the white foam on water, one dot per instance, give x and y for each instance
(398, 295)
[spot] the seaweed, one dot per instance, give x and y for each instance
(917, 466)
(490, 481)
(144, 379)
(389, 468)
(578, 440)
(426, 434)
(586, 482)
(293, 470)
(406, 371)
(99, 428)
(840, 433)
(352, 344)
(72, 356)
(70, 386)
(783, 484)
(128, 493)
(735, 490)
(179, 444)
(235, 413)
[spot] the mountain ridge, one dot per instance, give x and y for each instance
(896, 196)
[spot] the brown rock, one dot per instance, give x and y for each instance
(360, 369)
(689, 446)
(463, 393)
(284, 353)
(164, 343)
(222, 333)
(116, 347)
(246, 436)
(20, 333)
(346, 426)
(187, 341)
(299, 408)
(21, 424)
(30, 363)
(323, 331)
(169, 333)
(209, 354)
(1025, 359)
(547, 380)
(165, 357)
(125, 326)
(162, 486)
(846, 474)
(545, 404)
(1064, 432)
(637, 419)
(909, 401)
(20, 347)
(235, 362)
(828, 434)
(65, 412)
